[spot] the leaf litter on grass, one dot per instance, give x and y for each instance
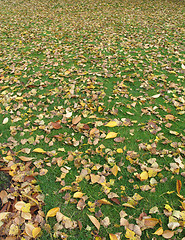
(92, 117)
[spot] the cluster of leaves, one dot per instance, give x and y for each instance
(92, 104)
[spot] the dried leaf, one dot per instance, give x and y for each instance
(167, 234)
(151, 222)
(25, 159)
(112, 236)
(144, 176)
(178, 186)
(76, 120)
(94, 221)
(5, 120)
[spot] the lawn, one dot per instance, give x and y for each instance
(92, 105)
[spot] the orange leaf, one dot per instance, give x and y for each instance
(94, 221)
(56, 125)
(151, 222)
(25, 159)
(112, 236)
(76, 120)
(178, 186)
(104, 201)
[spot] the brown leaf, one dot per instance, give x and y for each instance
(167, 234)
(178, 186)
(94, 221)
(112, 236)
(76, 120)
(25, 159)
(79, 224)
(56, 125)
(116, 200)
(151, 222)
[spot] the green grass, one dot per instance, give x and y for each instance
(104, 61)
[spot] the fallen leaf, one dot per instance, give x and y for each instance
(112, 236)
(39, 150)
(5, 120)
(167, 234)
(159, 231)
(178, 186)
(94, 221)
(36, 231)
(52, 212)
(111, 135)
(151, 222)
(111, 124)
(76, 120)
(144, 176)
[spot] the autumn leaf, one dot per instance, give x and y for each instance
(52, 212)
(5, 120)
(39, 150)
(167, 234)
(178, 186)
(151, 222)
(144, 176)
(115, 170)
(111, 124)
(94, 221)
(112, 236)
(36, 231)
(159, 231)
(76, 120)
(111, 135)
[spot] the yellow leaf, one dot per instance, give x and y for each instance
(129, 233)
(26, 208)
(36, 231)
(112, 236)
(115, 170)
(144, 176)
(111, 135)
(128, 205)
(39, 150)
(19, 205)
(159, 231)
(78, 195)
(104, 201)
(94, 221)
(167, 207)
(111, 124)
(25, 159)
(52, 212)
(137, 197)
(119, 150)
(14, 230)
